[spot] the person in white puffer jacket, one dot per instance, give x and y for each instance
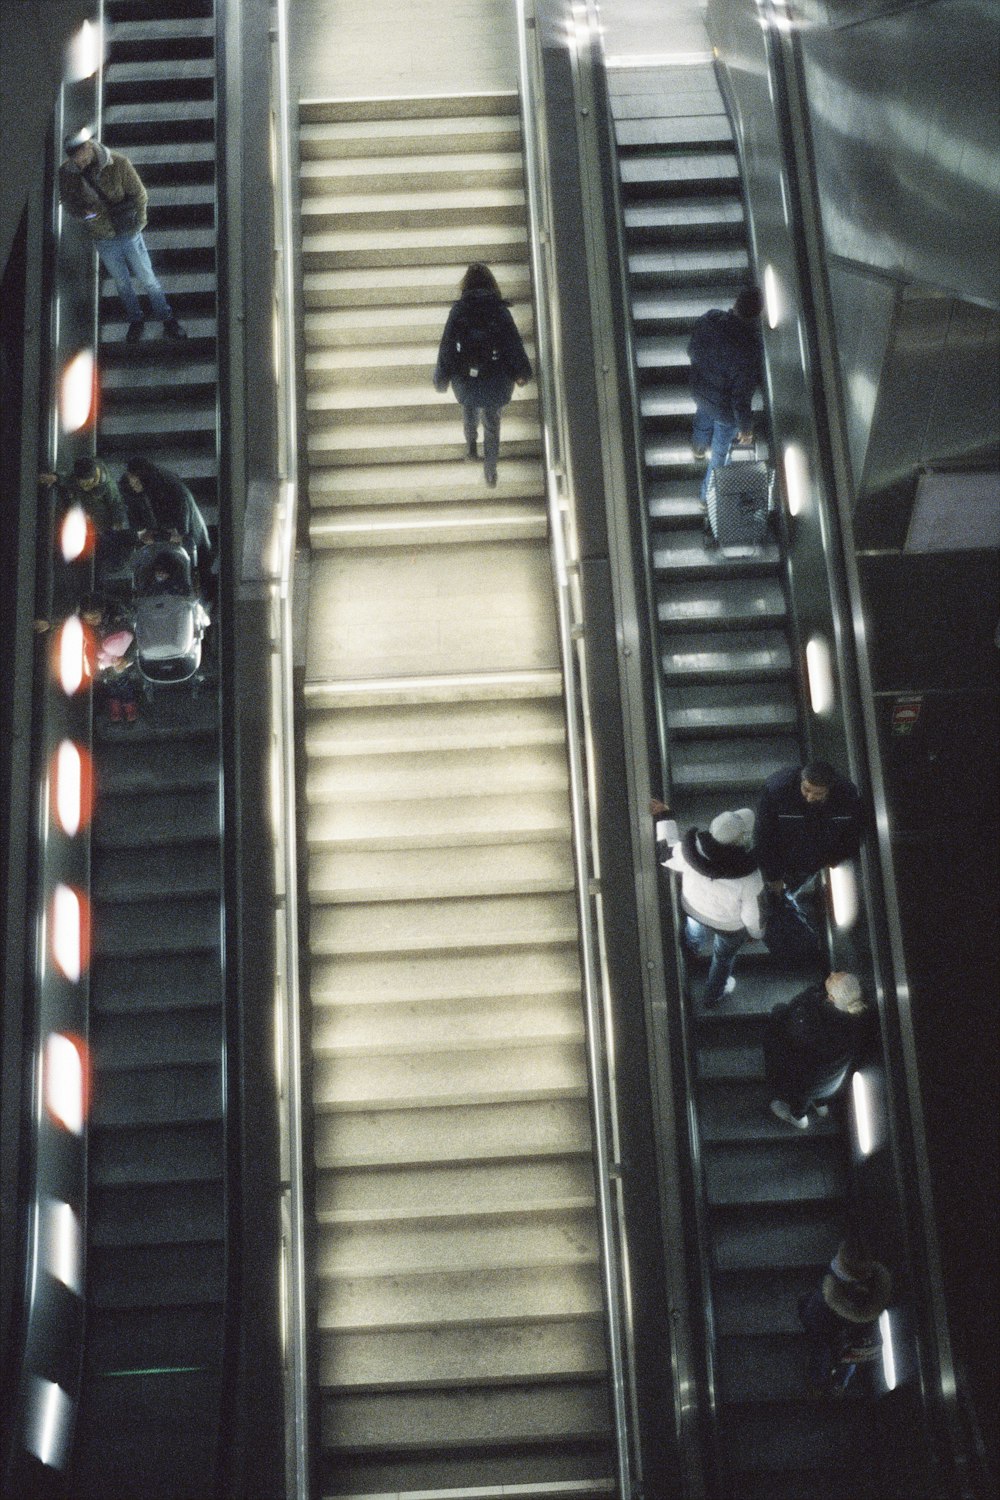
(720, 891)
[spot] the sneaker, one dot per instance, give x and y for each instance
(133, 332)
(730, 985)
(698, 451)
(491, 478)
(822, 1110)
(472, 452)
(781, 1112)
(173, 330)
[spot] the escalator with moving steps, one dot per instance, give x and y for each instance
(156, 1233)
(775, 1201)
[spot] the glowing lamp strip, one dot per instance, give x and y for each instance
(796, 479)
(63, 1244)
(83, 53)
(64, 1083)
(772, 297)
(862, 1114)
(70, 655)
(48, 1421)
(819, 671)
(69, 788)
(888, 1352)
(76, 392)
(844, 895)
(74, 534)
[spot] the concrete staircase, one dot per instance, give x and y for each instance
(459, 1322)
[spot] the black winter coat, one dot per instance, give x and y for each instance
(495, 387)
(725, 364)
(795, 837)
(809, 1044)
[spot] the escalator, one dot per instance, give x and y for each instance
(775, 1202)
(156, 1247)
(459, 1324)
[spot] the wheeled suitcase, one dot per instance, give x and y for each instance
(738, 500)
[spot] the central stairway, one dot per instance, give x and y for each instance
(459, 1340)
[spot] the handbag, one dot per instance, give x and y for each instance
(788, 935)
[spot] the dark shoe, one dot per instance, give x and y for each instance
(698, 452)
(173, 330)
(472, 452)
(133, 332)
(781, 1111)
(491, 478)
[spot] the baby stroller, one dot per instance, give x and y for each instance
(170, 619)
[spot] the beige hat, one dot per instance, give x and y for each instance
(733, 827)
(856, 1287)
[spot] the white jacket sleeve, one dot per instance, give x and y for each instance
(750, 904)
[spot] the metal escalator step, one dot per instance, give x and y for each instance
(736, 762)
(675, 130)
(159, 1096)
(802, 1435)
(813, 1484)
(695, 219)
(159, 1416)
(157, 1276)
(762, 1301)
(738, 1058)
(776, 1235)
(662, 353)
(723, 604)
(150, 1215)
(141, 422)
(665, 401)
(159, 32)
(804, 1170)
(176, 71)
(700, 709)
(687, 268)
(137, 765)
(126, 875)
(733, 1111)
(166, 1039)
(131, 1339)
(170, 1154)
(142, 984)
(162, 817)
(158, 115)
(687, 170)
(159, 382)
(166, 160)
(678, 312)
(761, 1367)
(686, 555)
(707, 657)
(167, 923)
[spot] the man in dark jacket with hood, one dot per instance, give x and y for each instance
(810, 1044)
(159, 500)
(807, 820)
(724, 350)
(103, 190)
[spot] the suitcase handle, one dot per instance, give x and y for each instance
(742, 453)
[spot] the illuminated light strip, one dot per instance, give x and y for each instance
(772, 296)
(796, 478)
(84, 53)
(888, 1352)
(71, 655)
(820, 674)
(74, 534)
(69, 788)
(76, 391)
(69, 936)
(65, 1082)
(48, 1421)
(63, 1253)
(660, 60)
(862, 1114)
(844, 894)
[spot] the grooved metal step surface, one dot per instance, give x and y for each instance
(147, 1421)
(459, 1316)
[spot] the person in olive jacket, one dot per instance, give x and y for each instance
(482, 355)
(810, 1044)
(103, 190)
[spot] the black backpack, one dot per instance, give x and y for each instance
(477, 337)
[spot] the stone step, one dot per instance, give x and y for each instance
(553, 1235)
(431, 729)
(502, 923)
(454, 245)
(400, 402)
(397, 286)
(451, 1300)
(421, 323)
(442, 1419)
(353, 212)
(360, 443)
(430, 525)
(392, 138)
(448, 688)
(496, 1355)
(457, 1133)
(497, 1191)
(440, 873)
(438, 822)
(413, 772)
(485, 978)
(450, 480)
(546, 1069)
(431, 173)
(415, 107)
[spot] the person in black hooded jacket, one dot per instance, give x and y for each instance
(158, 500)
(482, 355)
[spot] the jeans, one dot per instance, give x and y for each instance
(725, 946)
(713, 430)
(491, 431)
(126, 256)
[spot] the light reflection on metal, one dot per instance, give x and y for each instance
(888, 1352)
(844, 895)
(84, 53)
(75, 534)
(772, 297)
(61, 1233)
(76, 392)
(796, 478)
(819, 671)
(64, 1077)
(71, 667)
(48, 1421)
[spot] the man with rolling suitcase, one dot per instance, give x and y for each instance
(724, 350)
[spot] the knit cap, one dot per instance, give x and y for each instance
(733, 827)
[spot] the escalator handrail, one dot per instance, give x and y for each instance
(602, 1091)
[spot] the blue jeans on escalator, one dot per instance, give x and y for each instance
(715, 430)
(723, 947)
(125, 256)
